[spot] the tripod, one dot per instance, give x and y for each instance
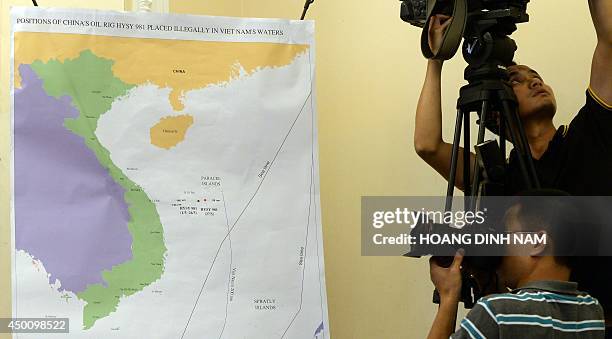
(485, 27)
(487, 50)
(485, 93)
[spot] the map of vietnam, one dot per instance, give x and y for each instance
(89, 82)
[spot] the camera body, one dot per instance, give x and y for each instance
(415, 12)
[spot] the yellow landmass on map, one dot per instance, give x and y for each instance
(169, 131)
(177, 64)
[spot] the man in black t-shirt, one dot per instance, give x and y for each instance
(578, 158)
(575, 158)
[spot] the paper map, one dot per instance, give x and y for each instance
(165, 175)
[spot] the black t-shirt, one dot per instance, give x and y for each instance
(578, 159)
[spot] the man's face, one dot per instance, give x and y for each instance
(535, 98)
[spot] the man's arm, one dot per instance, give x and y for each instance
(444, 324)
(601, 67)
(479, 323)
(428, 141)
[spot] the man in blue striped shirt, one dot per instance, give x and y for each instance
(538, 309)
(541, 302)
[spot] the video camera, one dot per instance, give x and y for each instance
(485, 25)
(415, 12)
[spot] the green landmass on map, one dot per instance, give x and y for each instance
(89, 81)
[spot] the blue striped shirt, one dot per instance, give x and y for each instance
(540, 309)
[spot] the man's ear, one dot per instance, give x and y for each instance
(540, 244)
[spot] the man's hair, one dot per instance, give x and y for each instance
(554, 212)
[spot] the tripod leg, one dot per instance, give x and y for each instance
(481, 133)
(454, 157)
(527, 151)
(502, 136)
(519, 139)
(467, 186)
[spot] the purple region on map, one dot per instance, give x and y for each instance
(69, 213)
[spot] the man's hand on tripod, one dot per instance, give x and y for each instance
(437, 26)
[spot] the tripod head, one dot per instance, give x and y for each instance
(487, 43)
